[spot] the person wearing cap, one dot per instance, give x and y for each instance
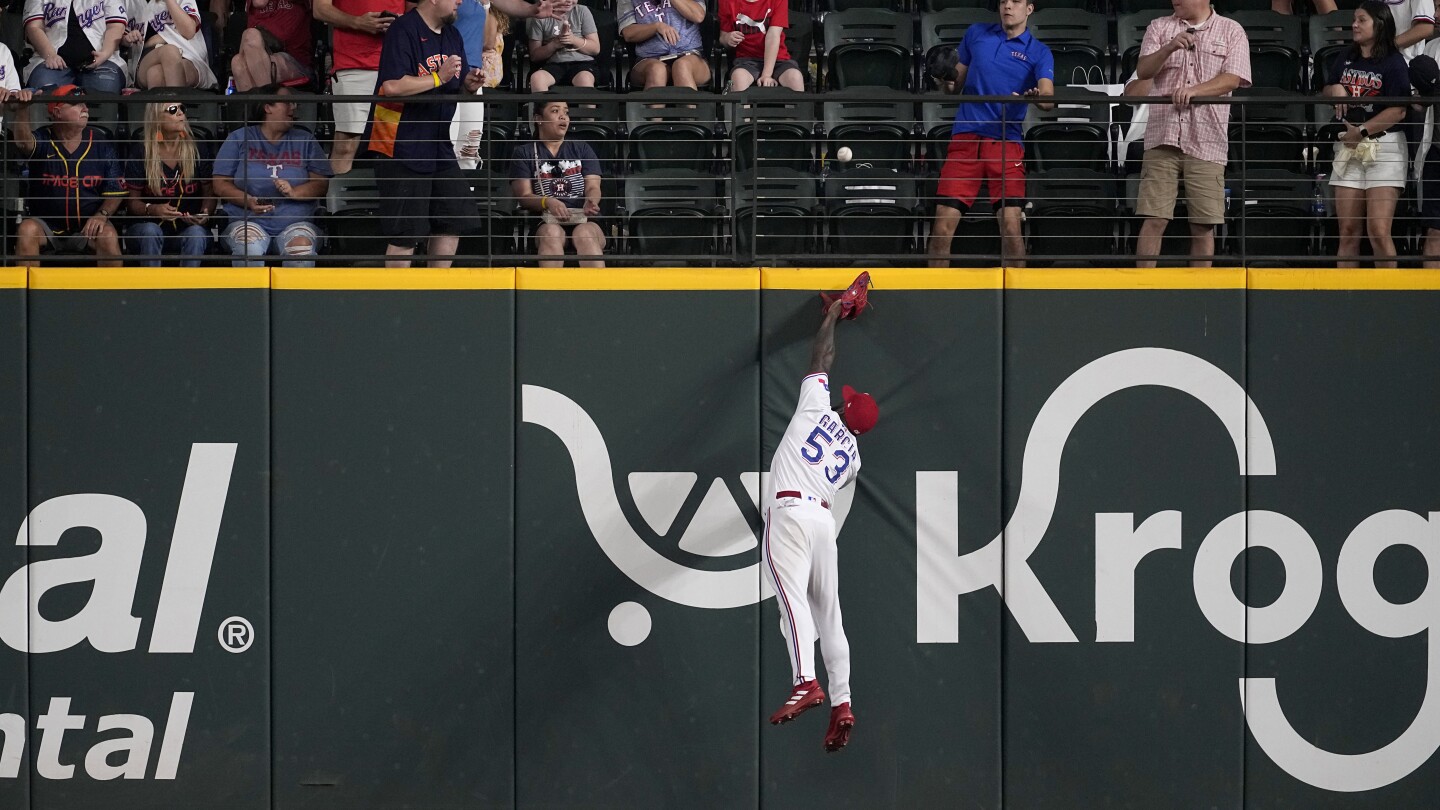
(75, 182)
(76, 42)
(818, 455)
(1190, 54)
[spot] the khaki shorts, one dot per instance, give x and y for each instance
(350, 118)
(1160, 183)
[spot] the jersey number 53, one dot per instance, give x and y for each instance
(832, 474)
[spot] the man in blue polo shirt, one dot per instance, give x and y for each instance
(996, 59)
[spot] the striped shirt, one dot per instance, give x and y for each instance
(1201, 129)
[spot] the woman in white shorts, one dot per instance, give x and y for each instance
(1370, 156)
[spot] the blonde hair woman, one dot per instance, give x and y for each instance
(168, 178)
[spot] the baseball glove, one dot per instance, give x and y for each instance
(853, 301)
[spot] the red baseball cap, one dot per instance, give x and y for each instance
(62, 91)
(861, 413)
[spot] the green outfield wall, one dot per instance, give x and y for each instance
(488, 538)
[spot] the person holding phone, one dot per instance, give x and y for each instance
(168, 180)
(271, 177)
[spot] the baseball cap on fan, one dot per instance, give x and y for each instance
(861, 413)
(63, 91)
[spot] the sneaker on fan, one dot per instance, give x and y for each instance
(841, 721)
(803, 697)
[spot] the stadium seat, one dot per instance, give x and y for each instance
(1328, 35)
(505, 121)
(1076, 38)
(673, 212)
(498, 221)
(1069, 211)
(773, 130)
(1275, 48)
(937, 121)
(1274, 216)
(945, 29)
(868, 48)
(933, 6)
(847, 5)
(775, 214)
(672, 135)
(1130, 35)
(1123, 7)
(870, 212)
(1269, 136)
(1070, 136)
(353, 201)
(881, 133)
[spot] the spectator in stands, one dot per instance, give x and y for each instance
(468, 124)
(75, 182)
(168, 178)
(423, 194)
(76, 43)
(276, 48)
(10, 89)
(1414, 24)
(564, 46)
(1192, 53)
(666, 36)
(492, 58)
(271, 177)
(175, 54)
(1370, 156)
(560, 181)
(755, 29)
(358, 30)
(994, 59)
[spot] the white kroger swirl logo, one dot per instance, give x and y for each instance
(943, 574)
(718, 529)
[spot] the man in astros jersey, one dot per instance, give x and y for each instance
(817, 456)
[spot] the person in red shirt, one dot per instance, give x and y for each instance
(756, 30)
(359, 30)
(276, 48)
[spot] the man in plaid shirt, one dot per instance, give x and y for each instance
(1192, 54)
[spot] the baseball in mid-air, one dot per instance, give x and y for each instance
(843, 154)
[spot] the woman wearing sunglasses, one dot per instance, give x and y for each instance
(168, 178)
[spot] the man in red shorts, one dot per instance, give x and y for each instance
(995, 59)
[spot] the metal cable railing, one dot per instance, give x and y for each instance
(776, 177)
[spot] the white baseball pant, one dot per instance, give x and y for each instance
(800, 559)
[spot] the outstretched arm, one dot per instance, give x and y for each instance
(822, 355)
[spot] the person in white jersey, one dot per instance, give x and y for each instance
(817, 456)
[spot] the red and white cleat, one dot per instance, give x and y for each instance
(803, 697)
(842, 720)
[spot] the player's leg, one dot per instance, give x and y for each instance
(785, 551)
(824, 594)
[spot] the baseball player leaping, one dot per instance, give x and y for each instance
(816, 457)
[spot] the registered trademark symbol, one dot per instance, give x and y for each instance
(236, 634)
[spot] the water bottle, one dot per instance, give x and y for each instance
(1227, 199)
(230, 87)
(1317, 202)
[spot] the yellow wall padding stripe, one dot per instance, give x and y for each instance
(881, 278)
(149, 278)
(389, 278)
(1297, 279)
(637, 278)
(1126, 278)
(719, 278)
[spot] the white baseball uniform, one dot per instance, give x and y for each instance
(817, 456)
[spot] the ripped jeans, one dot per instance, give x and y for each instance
(249, 243)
